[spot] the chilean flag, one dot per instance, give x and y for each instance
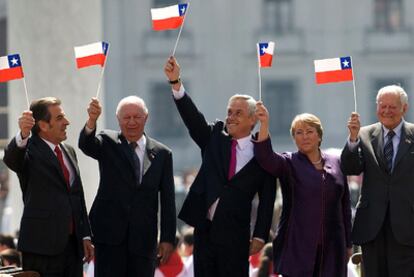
(265, 52)
(91, 54)
(170, 17)
(10, 68)
(333, 70)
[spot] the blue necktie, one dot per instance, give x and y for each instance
(389, 150)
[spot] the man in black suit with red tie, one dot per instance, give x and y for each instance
(136, 179)
(219, 202)
(54, 232)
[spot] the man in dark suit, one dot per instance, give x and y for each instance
(54, 231)
(135, 171)
(219, 202)
(384, 153)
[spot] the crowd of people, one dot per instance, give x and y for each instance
(131, 227)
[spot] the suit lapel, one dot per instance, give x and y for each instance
(71, 158)
(50, 157)
(226, 155)
(149, 155)
(406, 141)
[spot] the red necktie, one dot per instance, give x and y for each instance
(66, 175)
(233, 160)
(62, 165)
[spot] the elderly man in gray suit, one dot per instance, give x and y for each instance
(384, 153)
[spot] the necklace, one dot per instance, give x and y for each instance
(317, 162)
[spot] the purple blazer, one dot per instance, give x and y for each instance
(316, 211)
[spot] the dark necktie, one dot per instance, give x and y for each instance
(137, 167)
(233, 159)
(66, 175)
(389, 150)
(62, 165)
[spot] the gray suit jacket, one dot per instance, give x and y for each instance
(380, 189)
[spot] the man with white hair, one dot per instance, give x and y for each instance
(384, 153)
(135, 172)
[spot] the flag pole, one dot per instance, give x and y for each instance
(353, 83)
(258, 71)
(102, 72)
(181, 28)
(25, 90)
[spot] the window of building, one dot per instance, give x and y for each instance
(278, 16)
(4, 130)
(281, 99)
(377, 84)
(164, 119)
(388, 15)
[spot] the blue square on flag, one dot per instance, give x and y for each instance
(14, 60)
(182, 9)
(346, 63)
(104, 47)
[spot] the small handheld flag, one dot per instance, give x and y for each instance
(167, 18)
(333, 70)
(91, 54)
(265, 53)
(264, 59)
(10, 68)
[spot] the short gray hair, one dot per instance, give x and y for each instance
(395, 90)
(132, 99)
(251, 102)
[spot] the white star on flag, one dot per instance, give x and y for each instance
(14, 61)
(345, 63)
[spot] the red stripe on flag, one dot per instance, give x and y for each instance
(166, 24)
(97, 59)
(334, 76)
(266, 60)
(11, 74)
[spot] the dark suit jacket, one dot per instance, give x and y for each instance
(122, 209)
(231, 223)
(380, 189)
(48, 204)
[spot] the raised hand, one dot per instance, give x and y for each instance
(263, 116)
(94, 111)
(26, 123)
(353, 126)
(172, 71)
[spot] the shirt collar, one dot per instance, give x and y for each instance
(244, 142)
(397, 130)
(51, 145)
(141, 142)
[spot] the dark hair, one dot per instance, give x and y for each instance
(12, 256)
(188, 237)
(40, 110)
(7, 241)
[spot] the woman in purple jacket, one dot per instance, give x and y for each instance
(313, 236)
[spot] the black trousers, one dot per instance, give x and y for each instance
(212, 259)
(118, 260)
(385, 257)
(66, 264)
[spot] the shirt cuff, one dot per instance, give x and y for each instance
(87, 238)
(178, 94)
(259, 239)
(21, 143)
(352, 145)
(88, 130)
